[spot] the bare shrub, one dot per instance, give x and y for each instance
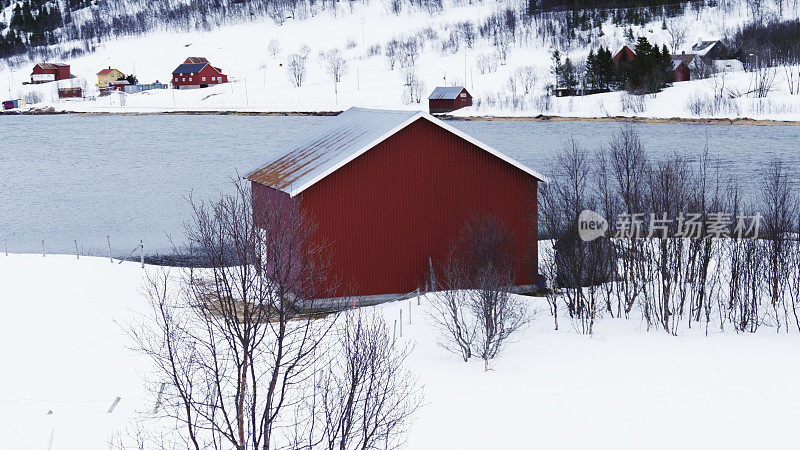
(365, 396)
(476, 313)
(632, 103)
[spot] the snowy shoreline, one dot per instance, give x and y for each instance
(488, 118)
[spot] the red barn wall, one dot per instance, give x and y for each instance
(628, 55)
(63, 72)
(682, 73)
(407, 199)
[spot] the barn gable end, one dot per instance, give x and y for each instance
(388, 210)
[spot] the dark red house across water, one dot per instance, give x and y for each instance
(47, 72)
(392, 190)
(444, 99)
(197, 72)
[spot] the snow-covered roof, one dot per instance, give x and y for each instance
(344, 138)
(446, 93)
(107, 71)
(676, 63)
(702, 47)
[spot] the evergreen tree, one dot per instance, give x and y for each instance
(557, 66)
(592, 70)
(569, 75)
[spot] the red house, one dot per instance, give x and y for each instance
(196, 72)
(444, 99)
(625, 50)
(47, 72)
(390, 191)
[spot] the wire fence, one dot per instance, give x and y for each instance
(130, 256)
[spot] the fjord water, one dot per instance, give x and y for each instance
(66, 178)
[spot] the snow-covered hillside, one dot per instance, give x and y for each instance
(68, 358)
(261, 82)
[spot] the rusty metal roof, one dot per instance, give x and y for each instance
(339, 139)
(342, 139)
(446, 92)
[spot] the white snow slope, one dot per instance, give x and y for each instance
(65, 358)
(261, 82)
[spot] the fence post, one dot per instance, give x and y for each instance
(141, 253)
(114, 405)
(417, 296)
(401, 322)
(5, 244)
(409, 312)
(394, 333)
(77, 256)
(108, 239)
(43, 253)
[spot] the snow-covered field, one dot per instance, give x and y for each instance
(66, 358)
(260, 82)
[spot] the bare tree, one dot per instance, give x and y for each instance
(233, 335)
(336, 66)
(366, 397)
(526, 77)
(274, 48)
(296, 67)
(676, 28)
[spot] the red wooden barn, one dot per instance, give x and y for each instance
(625, 50)
(196, 72)
(391, 189)
(47, 72)
(444, 99)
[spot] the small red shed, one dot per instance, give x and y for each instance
(71, 92)
(391, 191)
(47, 72)
(444, 99)
(625, 50)
(197, 74)
(681, 70)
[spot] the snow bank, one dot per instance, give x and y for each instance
(64, 350)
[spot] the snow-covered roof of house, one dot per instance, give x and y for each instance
(195, 60)
(702, 47)
(676, 63)
(190, 68)
(446, 93)
(344, 138)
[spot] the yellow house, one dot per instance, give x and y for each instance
(106, 76)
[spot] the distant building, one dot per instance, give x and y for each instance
(625, 51)
(681, 70)
(197, 74)
(106, 76)
(118, 85)
(444, 99)
(13, 104)
(710, 49)
(196, 60)
(136, 88)
(47, 72)
(71, 92)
